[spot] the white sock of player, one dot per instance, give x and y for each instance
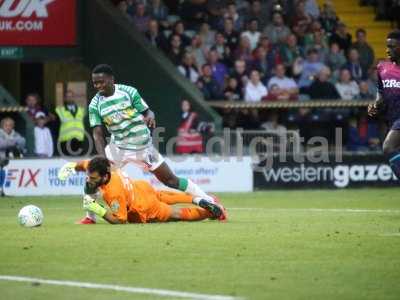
(91, 215)
(196, 200)
(194, 190)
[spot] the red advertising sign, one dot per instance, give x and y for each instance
(38, 22)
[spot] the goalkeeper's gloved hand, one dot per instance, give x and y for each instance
(90, 204)
(67, 170)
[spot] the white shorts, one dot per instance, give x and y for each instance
(147, 159)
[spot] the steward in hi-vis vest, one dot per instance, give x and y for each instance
(72, 129)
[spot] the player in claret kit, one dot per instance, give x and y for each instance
(136, 201)
(388, 100)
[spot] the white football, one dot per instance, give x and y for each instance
(30, 216)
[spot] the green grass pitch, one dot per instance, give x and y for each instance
(276, 245)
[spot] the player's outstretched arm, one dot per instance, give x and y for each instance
(377, 107)
(149, 118)
(110, 218)
(70, 168)
(90, 204)
(99, 141)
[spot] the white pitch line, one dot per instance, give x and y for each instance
(349, 210)
(135, 290)
(391, 234)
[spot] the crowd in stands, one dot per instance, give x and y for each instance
(256, 50)
(58, 133)
(239, 50)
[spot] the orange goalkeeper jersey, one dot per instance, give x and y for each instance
(134, 201)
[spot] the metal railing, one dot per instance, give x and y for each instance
(291, 104)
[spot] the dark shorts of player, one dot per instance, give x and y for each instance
(395, 125)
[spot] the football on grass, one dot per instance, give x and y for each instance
(30, 216)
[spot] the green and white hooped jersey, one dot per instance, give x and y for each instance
(121, 114)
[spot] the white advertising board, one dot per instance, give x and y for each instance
(26, 177)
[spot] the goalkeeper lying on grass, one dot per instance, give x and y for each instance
(135, 201)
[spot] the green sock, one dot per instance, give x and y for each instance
(183, 184)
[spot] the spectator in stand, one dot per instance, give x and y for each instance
(290, 51)
(189, 140)
(311, 8)
(335, 60)
(159, 11)
(365, 93)
(372, 80)
(321, 88)
(175, 52)
(301, 18)
(300, 30)
(12, 144)
(263, 63)
(43, 140)
(208, 85)
(277, 31)
(248, 119)
(275, 94)
(215, 11)
(255, 90)
(328, 17)
(308, 68)
(252, 33)
(240, 74)
(354, 66)
(223, 50)
(33, 105)
(278, 130)
(123, 7)
(187, 67)
(140, 18)
(260, 12)
(193, 12)
(321, 44)
(219, 70)
(207, 36)
(243, 51)
(156, 38)
(231, 13)
(365, 51)
(286, 85)
(273, 55)
(241, 6)
(363, 135)
(179, 29)
(199, 52)
(72, 129)
(347, 88)
(341, 37)
(219, 44)
(272, 124)
(230, 34)
(232, 91)
(317, 41)
(131, 7)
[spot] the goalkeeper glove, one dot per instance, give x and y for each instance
(90, 204)
(67, 170)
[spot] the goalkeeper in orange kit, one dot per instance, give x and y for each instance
(136, 201)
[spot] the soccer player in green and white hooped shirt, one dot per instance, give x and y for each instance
(127, 117)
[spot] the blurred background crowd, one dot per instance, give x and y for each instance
(243, 51)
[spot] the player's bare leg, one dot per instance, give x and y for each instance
(391, 149)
